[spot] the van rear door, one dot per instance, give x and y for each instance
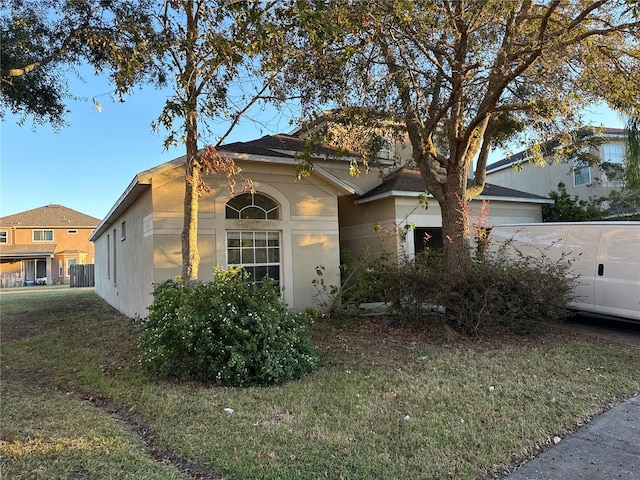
(618, 272)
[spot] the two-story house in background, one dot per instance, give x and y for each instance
(39, 246)
(581, 180)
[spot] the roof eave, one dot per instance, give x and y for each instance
(515, 199)
(406, 194)
(142, 182)
(130, 195)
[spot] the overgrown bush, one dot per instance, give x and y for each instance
(227, 331)
(412, 286)
(502, 293)
(362, 280)
(496, 294)
(408, 286)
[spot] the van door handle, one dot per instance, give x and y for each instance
(600, 269)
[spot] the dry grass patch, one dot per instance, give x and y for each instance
(387, 402)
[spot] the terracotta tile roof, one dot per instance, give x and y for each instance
(406, 180)
(52, 216)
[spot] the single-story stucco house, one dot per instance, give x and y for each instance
(286, 229)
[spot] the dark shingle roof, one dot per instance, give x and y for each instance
(405, 180)
(290, 143)
(50, 216)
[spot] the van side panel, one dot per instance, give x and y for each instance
(582, 248)
(606, 258)
(618, 287)
(529, 242)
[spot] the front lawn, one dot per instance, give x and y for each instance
(387, 402)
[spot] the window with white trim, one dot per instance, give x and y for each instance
(42, 235)
(115, 260)
(4, 236)
(70, 261)
(257, 252)
(252, 206)
(581, 175)
(612, 162)
(385, 148)
(72, 232)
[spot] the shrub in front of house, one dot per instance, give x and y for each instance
(413, 285)
(227, 331)
(499, 293)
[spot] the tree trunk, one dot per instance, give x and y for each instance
(455, 227)
(190, 256)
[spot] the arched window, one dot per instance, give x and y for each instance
(257, 251)
(252, 206)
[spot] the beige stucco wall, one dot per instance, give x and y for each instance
(357, 221)
(541, 180)
(308, 227)
(124, 273)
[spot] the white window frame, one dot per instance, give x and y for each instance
(115, 260)
(42, 231)
(123, 231)
(248, 249)
(69, 262)
(269, 214)
(4, 236)
(579, 172)
(386, 149)
(612, 153)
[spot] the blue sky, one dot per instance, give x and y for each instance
(87, 165)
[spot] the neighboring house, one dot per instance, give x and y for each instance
(39, 245)
(286, 229)
(582, 180)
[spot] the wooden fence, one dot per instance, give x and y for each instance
(82, 275)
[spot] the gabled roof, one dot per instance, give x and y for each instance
(409, 183)
(522, 156)
(275, 149)
(50, 216)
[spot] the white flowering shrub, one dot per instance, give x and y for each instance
(227, 332)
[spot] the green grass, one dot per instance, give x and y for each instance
(386, 403)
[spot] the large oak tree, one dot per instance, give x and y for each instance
(462, 76)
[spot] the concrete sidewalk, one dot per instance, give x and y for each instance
(607, 448)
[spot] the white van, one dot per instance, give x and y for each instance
(606, 257)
